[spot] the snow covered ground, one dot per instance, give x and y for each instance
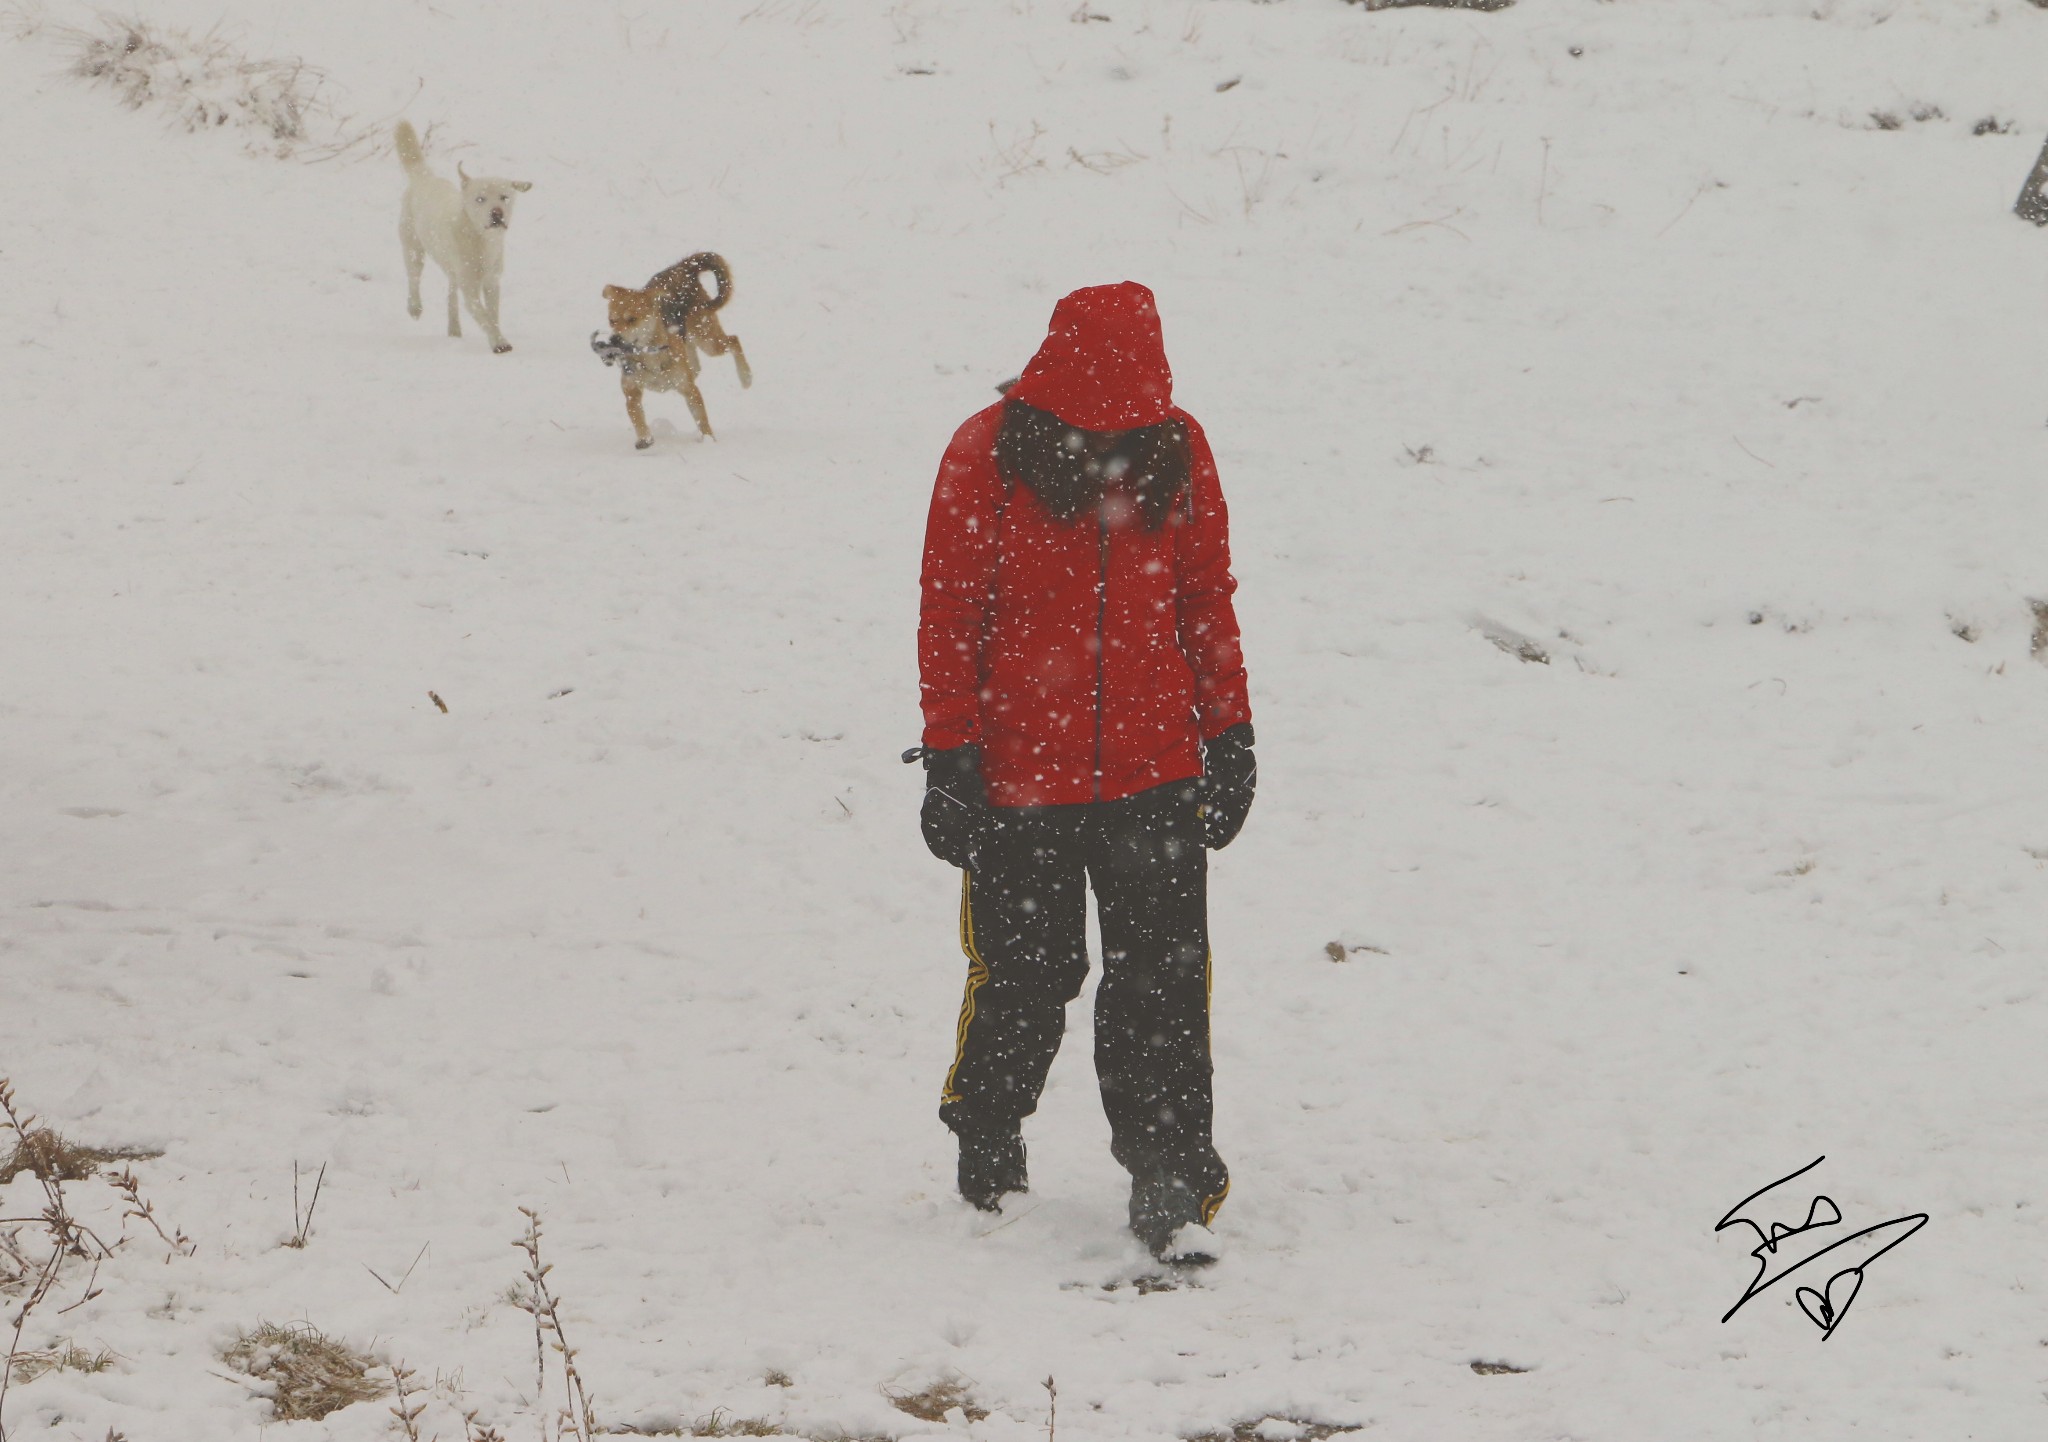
(1626, 329)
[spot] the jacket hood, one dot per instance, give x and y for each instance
(1102, 366)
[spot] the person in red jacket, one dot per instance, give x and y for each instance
(1086, 725)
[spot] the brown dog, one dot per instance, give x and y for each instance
(658, 330)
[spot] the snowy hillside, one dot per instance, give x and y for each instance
(1691, 345)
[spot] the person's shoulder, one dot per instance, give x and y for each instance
(1198, 441)
(1193, 426)
(979, 430)
(970, 461)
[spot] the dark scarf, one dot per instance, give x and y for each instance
(1070, 469)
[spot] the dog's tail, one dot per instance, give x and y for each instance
(703, 263)
(408, 142)
(713, 265)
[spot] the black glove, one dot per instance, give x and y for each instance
(956, 809)
(1230, 773)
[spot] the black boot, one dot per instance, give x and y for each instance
(1161, 1204)
(991, 1165)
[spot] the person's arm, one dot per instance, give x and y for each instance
(959, 587)
(1206, 620)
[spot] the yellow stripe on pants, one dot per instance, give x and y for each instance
(977, 973)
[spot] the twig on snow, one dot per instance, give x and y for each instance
(303, 1223)
(1750, 453)
(124, 1182)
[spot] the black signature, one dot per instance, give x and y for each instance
(1827, 1306)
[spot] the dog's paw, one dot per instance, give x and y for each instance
(501, 347)
(643, 445)
(412, 308)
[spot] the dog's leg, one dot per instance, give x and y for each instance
(686, 382)
(454, 315)
(636, 413)
(713, 340)
(415, 262)
(483, 304)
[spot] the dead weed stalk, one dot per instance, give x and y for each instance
(42, 1151)
(408, 1416)
(124, 1182)
(1019, 154)
(578, 1414)
(302, 1222)
(54, 1160)
(69, 1238)
(46, 1279)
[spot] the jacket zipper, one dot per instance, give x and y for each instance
(1101, 632)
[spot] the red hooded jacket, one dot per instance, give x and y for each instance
(1087, 659)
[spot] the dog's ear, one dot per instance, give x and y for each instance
(522, 185)
(612, 292)
(461, 174)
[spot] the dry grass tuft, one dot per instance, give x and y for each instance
(1498, 1369)
(309, 1373)
(1298, 1428)
(934, 1402)
(1513, 642)
(201, 80)
(55, 1158)
(65, 1356)
(1435, 4)
(204, 82)
(718, 1424)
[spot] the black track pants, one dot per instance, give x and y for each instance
(1022, 920)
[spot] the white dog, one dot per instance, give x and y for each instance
(462, 229)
